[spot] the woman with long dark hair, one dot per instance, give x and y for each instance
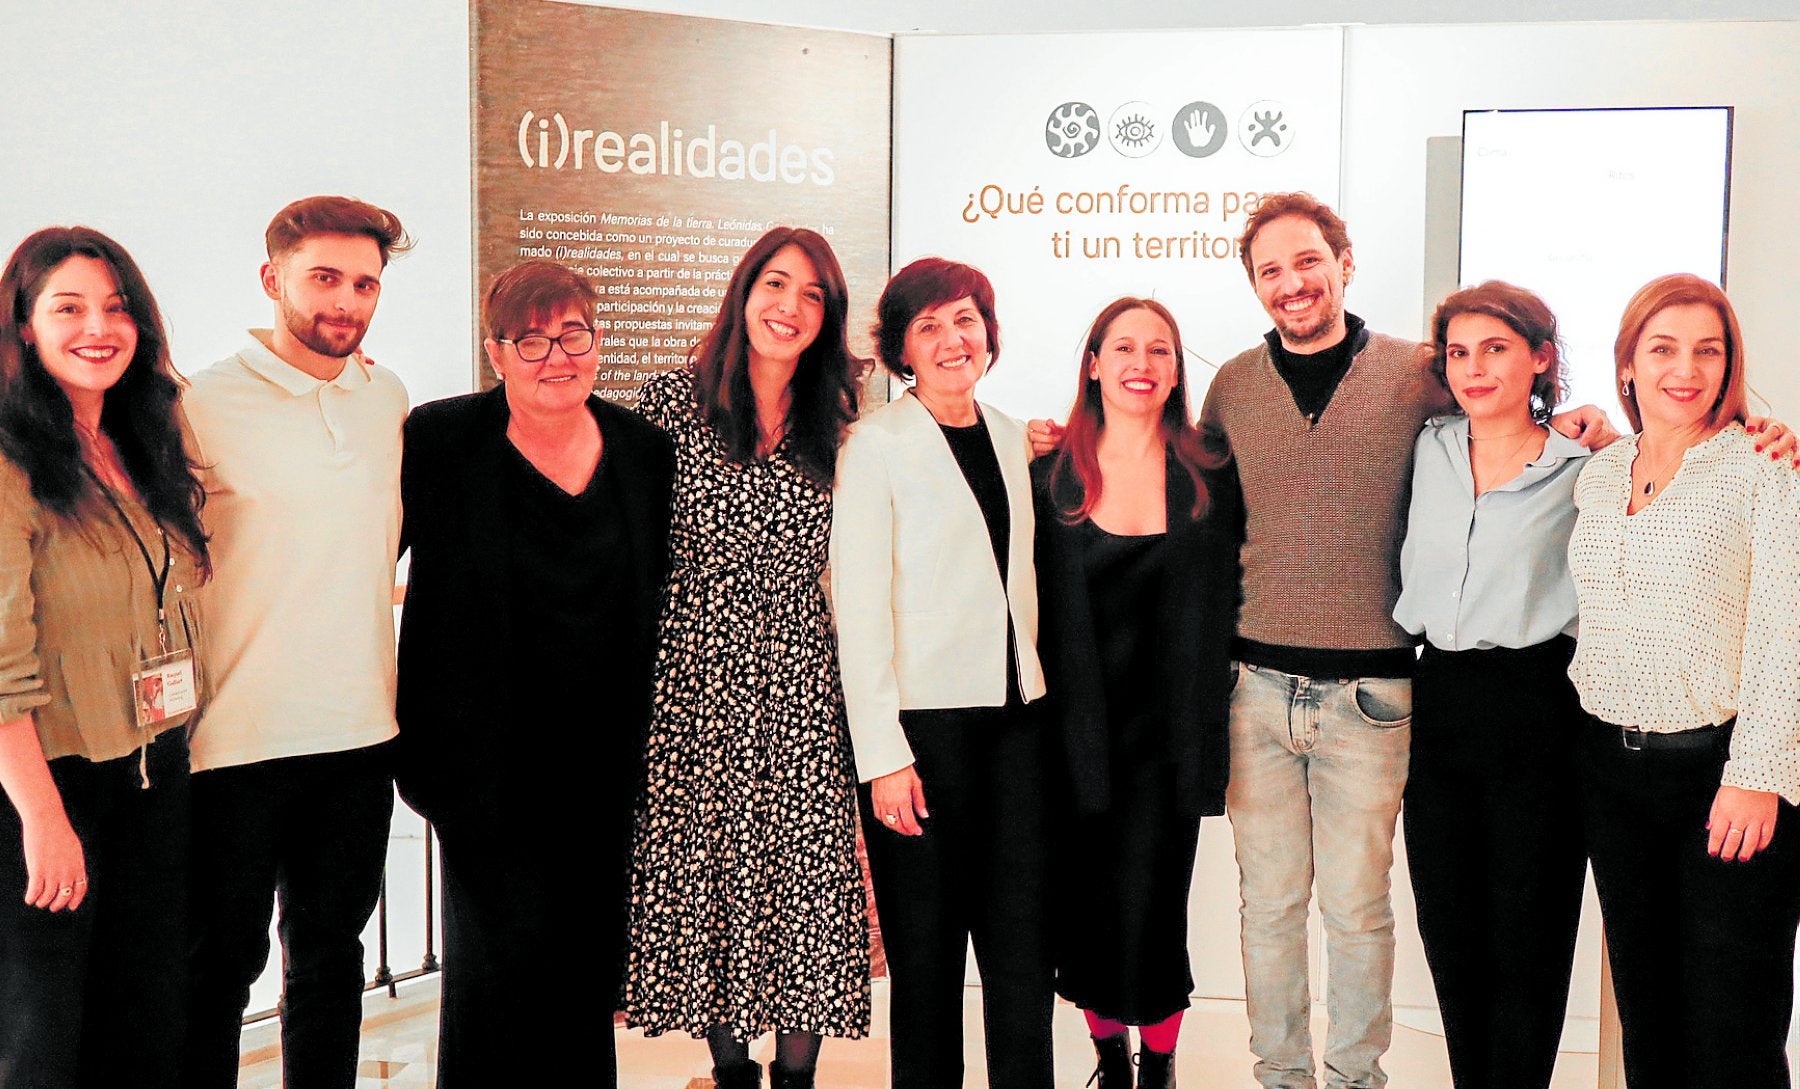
(748, 914)
(1137, 575)
(101, 556)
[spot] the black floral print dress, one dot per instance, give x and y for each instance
(747, 904)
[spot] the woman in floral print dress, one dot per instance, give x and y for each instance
(748, 913)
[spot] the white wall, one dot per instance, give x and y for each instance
(180, 129)
(1052, 16)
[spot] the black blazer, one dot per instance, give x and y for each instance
(456, 728)
(1194, 629)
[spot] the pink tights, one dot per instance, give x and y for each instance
(1159, 1037)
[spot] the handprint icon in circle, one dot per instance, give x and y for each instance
(1134, 130)
(1198, 129)
(1264, 129)
(1073, 130)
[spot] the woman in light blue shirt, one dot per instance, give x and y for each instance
(1492, 826)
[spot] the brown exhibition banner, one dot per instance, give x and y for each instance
(649, 151)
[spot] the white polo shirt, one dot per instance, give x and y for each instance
(303, 504)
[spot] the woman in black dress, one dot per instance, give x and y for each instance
(1137, 565)
(537, 515)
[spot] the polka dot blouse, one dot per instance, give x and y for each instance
(1690, 608)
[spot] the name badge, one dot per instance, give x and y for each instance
(164, 688)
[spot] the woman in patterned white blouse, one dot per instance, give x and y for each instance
(1688, 577)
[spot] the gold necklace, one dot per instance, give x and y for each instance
(1473, 437)
(1511, 454)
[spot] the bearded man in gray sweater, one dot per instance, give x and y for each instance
(1321, 419)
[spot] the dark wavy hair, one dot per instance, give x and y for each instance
(1075, 478)
(824, 382)
(1521, 311)
(139, 413)
(1305, 206)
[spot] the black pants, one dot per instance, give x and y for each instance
(979, 872)
(92, 997)
(1493, 843)
(1702, 951)
(311, 831)
(531, 888)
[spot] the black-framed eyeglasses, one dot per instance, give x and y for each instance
(536, 349)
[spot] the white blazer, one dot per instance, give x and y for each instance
(921, 614)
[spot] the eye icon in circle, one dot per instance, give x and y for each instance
(1264, 129)
(1199, 129)
(1073, 130)
(1134, 130)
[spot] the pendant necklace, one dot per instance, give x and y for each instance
(1650, 484)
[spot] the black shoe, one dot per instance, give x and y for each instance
(1156, 1070)
(744, 1075)
(1114, 1068)
(780, 1077)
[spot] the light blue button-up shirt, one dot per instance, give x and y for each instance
(1487, 571)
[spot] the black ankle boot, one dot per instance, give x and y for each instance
(1114, 1068)
(744, 1075)
(780, 1077)
(1156, 1070)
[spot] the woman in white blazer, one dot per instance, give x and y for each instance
(936, 607)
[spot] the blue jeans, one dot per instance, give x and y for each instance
(1317, 770)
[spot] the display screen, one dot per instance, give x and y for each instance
(1586, 206)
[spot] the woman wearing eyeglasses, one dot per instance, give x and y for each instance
(537, 515)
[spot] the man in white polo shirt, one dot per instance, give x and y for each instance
(299, 438)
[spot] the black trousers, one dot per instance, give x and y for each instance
(1702, 951)
(93, 997)
(1493, 843)
(514, 925)
(979, 872)
(311, 832)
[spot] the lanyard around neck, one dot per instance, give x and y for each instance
(159, 574)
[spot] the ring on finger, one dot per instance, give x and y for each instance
(892, 818)
(66, 890)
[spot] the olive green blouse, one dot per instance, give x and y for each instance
(78, 616)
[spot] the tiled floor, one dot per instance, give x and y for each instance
(399, 1040)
